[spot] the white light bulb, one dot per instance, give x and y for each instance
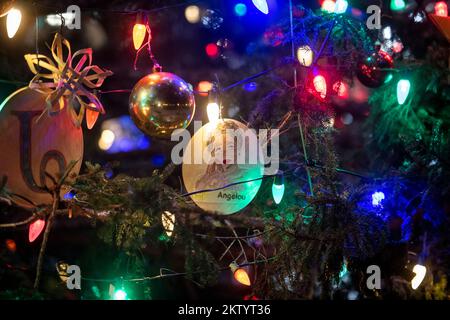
(420, 272)
(213, 111)
(106, 139)
(403, 87)
(387, 33)
(13, 22)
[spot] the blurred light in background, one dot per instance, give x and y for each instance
(106, 140)
(204, 87)
(347, 118)
(328, 6)
(192, 14)
(341, 89)
(387, 33)
(240, 9)
(341, 6)
(377, 198)
(158, 160)
(121, 135)
(212, 50)
(251, 86)
(54, 20)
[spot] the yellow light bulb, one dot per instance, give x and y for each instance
(213, 111)
(305, 56)
(139, 31)
(192, 14)
(13, 22)
(242, 277)
(168, 222)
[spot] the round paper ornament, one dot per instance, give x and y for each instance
(220, 154)
(160, 103)
(374, 71)
(34, 143)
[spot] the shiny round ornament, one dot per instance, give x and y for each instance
(374, 71)
(161, 103)
(31, 147)
(211, 161)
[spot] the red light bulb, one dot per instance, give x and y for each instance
(441, 9)
(320, 85)
(212, 50)
(35, 229)
(341, 89)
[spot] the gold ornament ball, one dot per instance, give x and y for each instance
(161, 103)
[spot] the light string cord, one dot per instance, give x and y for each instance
(300, 124)
(171, 274)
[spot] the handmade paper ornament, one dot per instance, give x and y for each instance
(32, 147)
(67, 79)
(5, 6)
(214, 159)
(374, 71)
(160, 103)
(41, 125)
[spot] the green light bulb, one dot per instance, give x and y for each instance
(397, 5)
(403, 88)
(120, 295)
(278, 188)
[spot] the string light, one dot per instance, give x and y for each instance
(261, 5)
(204, 87)
(278, 188)
(213, 107)
(240, 274)
(240, 9)
(403, 88)
(305, 55)
(168, 222)
(212, 50)
(397, 5)
(341, 89)
(120, 294)
(328, 6)
(35, 229)
(106, 139)
(213, 111)
(192, 14)
(61, 268)
(377, 198)
(420, 272)
(441, 9)
(11, 245)
(320, 85)
(387, 33)
(341, 6)
(13, 19)
(139, 31)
